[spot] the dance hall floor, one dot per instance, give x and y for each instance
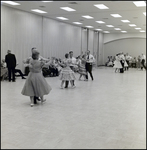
(107, 113)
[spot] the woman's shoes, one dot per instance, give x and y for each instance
(43, 100)
(32, 105)
(73, 86)
(61, 87)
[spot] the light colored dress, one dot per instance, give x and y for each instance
(117, 63)
(66, 73)
(35, 84)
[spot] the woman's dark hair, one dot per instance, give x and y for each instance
(66, 55)
(35, 55)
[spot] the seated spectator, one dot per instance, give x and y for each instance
(4, 70)
(110, 63)
(134, 62)
(52, 68)
(107, 61)
(139, 65)
(57, 65)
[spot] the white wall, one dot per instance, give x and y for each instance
(134, 44)
(20, 31)
(59, 38)
(100, 52)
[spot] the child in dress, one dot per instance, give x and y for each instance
(36, 84)
(66, 73)
(117, 64)
(82, 68)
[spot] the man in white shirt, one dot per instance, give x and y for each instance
(89, 62)
(143, 58)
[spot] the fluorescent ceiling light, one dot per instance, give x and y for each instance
(99, 29)
(117, 28)
(125, 20)
(39, 11)
(144, 13)
(87, 17)
(89, 26)
(10, 2)
(67, 8)
(109, 25)
(124, 31)
(132, 25)
(62, 18)
(47, 1)
(106, 31)
(140, 3)
(115, 15)
(101, 6)
(137, 28)
(77, 22)
(142, 31)
(100, 22)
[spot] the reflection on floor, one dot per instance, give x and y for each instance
(107, 113)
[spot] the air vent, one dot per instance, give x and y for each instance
(73, 3)
(135, 17)
(105, 18)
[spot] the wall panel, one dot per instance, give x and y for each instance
(133, 46)
(59, 38)
(20, 31)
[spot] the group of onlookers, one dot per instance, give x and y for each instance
(8, 68)
(122, 62)
(132, 62)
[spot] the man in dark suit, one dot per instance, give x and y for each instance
(89, 62)
(10, 60)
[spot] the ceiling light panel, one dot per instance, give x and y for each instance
(116, 15)
(100, 22)
(144, 13)
(124, 31)
(101, 6)
(62, 18)
(137, 28)
(47, 1)
(77, 22)
(142, 31)
(106, 31)
(89, 26)
(87, 17)
(67, 8)
(99, 29)
(117, 28)
(38, 11)
(125, 21)
(132, 25)
(140, 3)
(110, 26)
(10, 2)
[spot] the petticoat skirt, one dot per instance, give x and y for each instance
(82, 70)
(36, 85)
(67, 74)
(117, 64)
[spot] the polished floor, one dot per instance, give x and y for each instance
(107, 113)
